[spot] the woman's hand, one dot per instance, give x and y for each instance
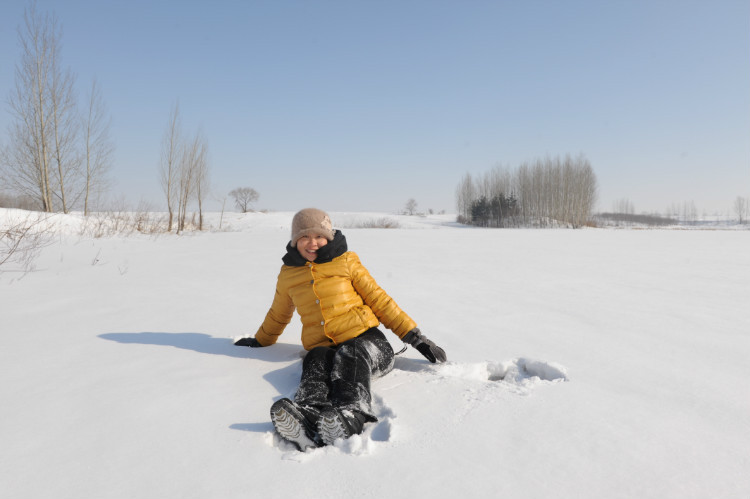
(429, 349)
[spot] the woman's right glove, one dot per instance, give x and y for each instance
(430, 350)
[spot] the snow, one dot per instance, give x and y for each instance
(582, 364)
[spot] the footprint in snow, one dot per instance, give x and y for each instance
(521, 372)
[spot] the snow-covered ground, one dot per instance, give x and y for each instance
(591, 363)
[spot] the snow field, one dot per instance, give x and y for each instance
(586, 363)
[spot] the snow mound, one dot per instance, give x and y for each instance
(520, 371)
(523, 370)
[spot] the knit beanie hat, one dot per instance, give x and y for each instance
(311, 221)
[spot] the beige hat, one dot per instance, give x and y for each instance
(311, 221)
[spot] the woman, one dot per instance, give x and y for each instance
(340, 306)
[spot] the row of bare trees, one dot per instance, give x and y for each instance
(539, 192)
(623, 211)
(183, 172)
(58, 151)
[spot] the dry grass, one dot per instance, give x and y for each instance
(373, 223)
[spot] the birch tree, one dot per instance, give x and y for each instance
(65, 127)
(185, 189)
(55, 153)
(98, 147)
(202, 181)
(171, 151)
(42, 158)
(465, 196)
(27, 158)
(183, 171)
(193, 179)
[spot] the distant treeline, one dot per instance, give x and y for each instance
(541, 193)
(630, 218)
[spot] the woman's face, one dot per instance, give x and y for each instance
(308, 246)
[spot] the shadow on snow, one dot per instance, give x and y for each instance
(204, 343)
(284, 380)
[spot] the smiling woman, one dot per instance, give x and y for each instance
(341, 307)
(311, 230)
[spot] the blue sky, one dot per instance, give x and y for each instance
(361, 105)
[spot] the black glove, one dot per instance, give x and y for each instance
(248, 342)
(430, 350)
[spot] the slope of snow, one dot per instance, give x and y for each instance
(582, 363)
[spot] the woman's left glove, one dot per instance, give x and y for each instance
(248, 342)
(430, 350)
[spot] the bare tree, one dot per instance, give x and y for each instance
(465, 196)
(411, 206)
(97, 146)
(42, 158)
(54, 154)
(244, 197)
(584, 190)
(186, 184)
(171, 151)
(202, 183)
(27, 158)
(689, 212)
(223, 205)
(740, 209)
(673, 210)
(193, 179)
(183, 171)
(65, 127)
(623, 206)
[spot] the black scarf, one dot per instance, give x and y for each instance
(333, 249)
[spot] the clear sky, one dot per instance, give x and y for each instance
(361, 105)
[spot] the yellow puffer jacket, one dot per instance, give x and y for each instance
(336, 301)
